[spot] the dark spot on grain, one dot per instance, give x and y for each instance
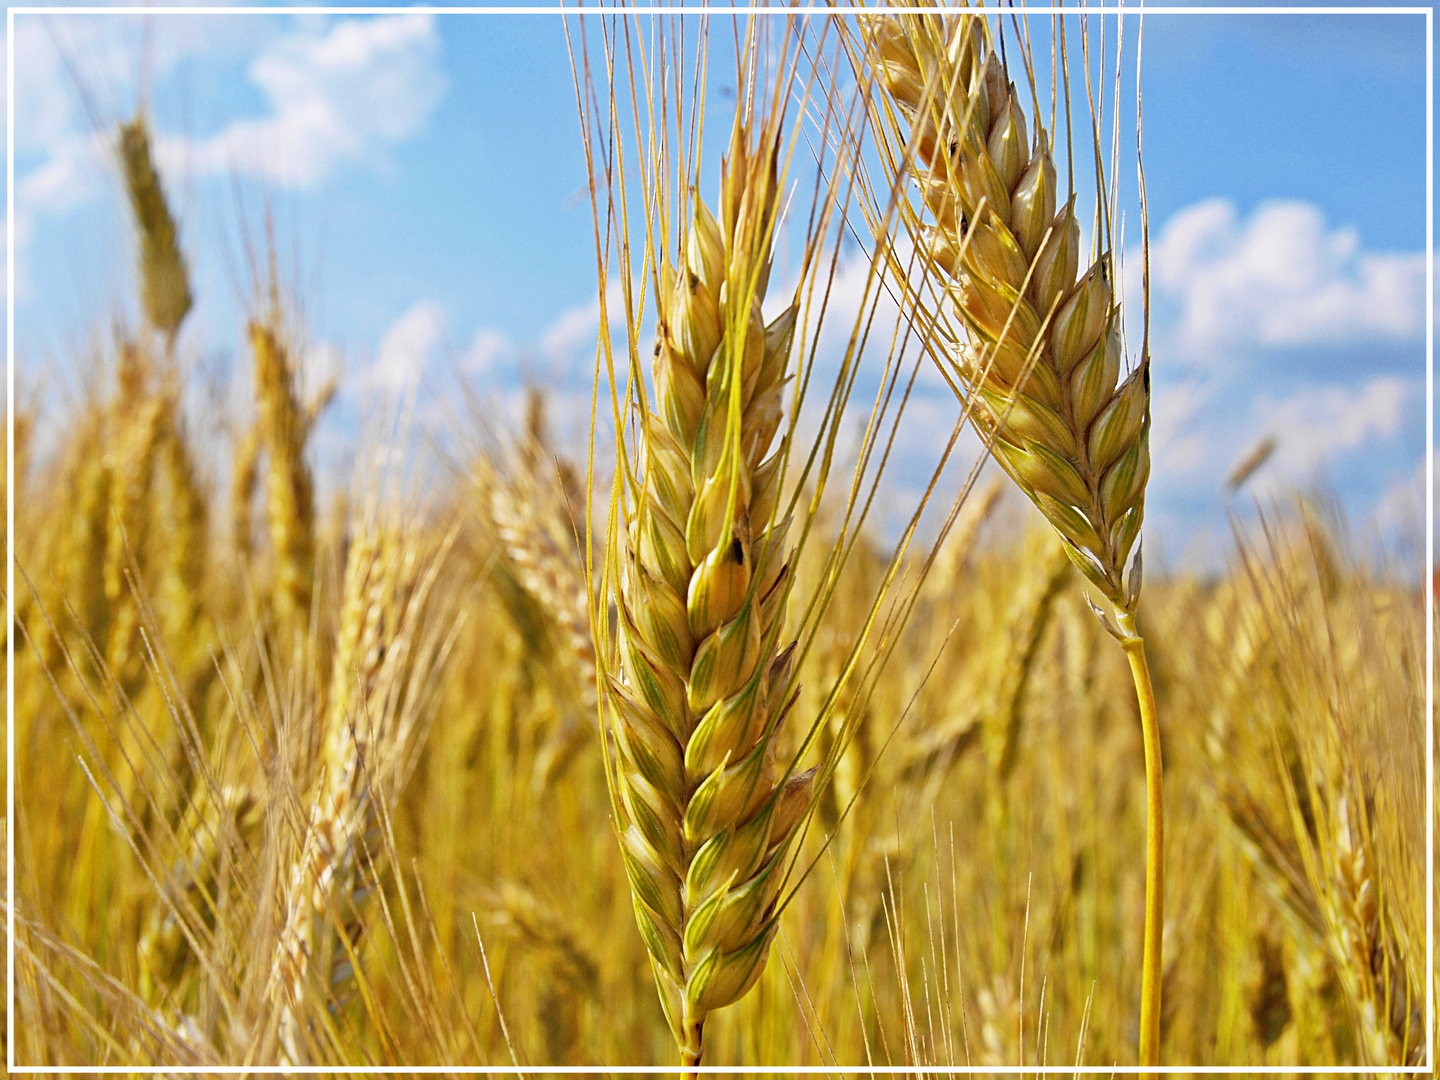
(737, 551)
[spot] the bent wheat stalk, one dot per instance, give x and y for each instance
(1037, 353)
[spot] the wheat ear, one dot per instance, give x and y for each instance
(164, 281)
(288, 486)
(705, 684)
(377, 570)
(1040, 360)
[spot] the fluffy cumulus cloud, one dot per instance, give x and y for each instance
(487, 349)
(571, 338)
(406, 347)
(1198, 438)
(337, 92)
(336, 96)
(1282, 277)
(1321, 423)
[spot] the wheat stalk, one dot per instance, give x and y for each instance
(1038, 356)
(697, 671)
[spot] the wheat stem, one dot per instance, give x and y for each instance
(1151, 967)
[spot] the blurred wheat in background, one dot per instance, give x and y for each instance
(682, 751)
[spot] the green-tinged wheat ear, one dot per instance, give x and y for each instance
(164, 281)
(703, 681)
(289, 495)
(1042, 363)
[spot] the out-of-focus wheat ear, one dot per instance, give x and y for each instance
(1029, 616)
(164, 279)
(1388, 1008)
(244, 474)
(136, 441)
(182, 505)
(382, 596)
(1269, 998)
(81, 545)
(289, 495)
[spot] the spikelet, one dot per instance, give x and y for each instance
(288, 487)
(1041, 360)
(165, 284)
(703, 683)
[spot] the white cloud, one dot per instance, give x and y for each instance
(1320, 423)
(1400, 509)
(1282, 277)
(336, 97)
(488, 347)
(406, 346)
(578, 327)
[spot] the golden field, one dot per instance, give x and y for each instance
(319, 781)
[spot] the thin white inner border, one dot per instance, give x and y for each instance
(1427, 585)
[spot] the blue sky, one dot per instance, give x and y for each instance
(427, 182)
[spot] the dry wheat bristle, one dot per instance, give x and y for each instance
(705, 683)
(1041, 363)
(165, 285)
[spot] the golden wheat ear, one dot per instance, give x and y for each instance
(1033, 346)
(1039, 351)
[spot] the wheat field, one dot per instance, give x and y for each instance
(333, 774)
